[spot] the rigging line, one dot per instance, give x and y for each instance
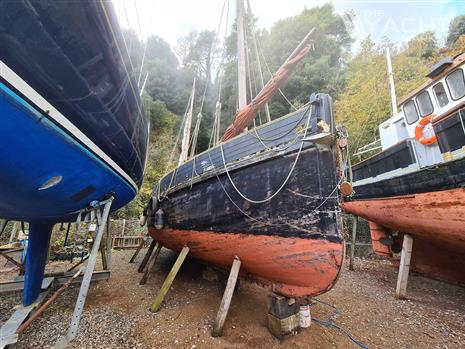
(136, 95)
(285, 181)
(266, 223)
(181, 127)
(124, 39)
(207, 82)
(271, 74)
(259, 66)
(146, 45)
(220, 75)
(138, 21)
(282, 135)
(251, 75)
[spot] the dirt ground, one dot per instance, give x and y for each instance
(117, 312)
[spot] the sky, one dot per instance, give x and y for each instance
(396, 20)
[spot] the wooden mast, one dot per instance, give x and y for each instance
(187, 128)
(241, 77)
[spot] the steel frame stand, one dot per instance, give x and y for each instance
(101, 216)
(8, 334)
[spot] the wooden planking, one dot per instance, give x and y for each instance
(295, 210)
(239, 147)
(226, 300)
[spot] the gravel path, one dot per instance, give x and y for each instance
(117, 315)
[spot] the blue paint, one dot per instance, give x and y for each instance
(32, 150)
(39, 240)
(66, 51)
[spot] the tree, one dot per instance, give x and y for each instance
(456, 29)
(365, 102)
(423, 45)
(197, 51)
(320, 71)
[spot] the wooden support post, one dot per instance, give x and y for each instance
(402, 278)
(150, 265)
(227, 296)
(169, 280)
(137, 251)
(146, 257)
(352, 245)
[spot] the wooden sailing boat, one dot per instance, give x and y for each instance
(268, 195)
(414, 185)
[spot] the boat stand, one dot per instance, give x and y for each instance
(146, 256)
(283, 316)
(151, 263)
(226, 300)
(100, 212)
(8, 335)
(404, 267)
(169, 280)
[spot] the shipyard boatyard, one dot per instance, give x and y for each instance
(232, 174)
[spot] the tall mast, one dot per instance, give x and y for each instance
(187, 128)
(255, 46)
(391, 83)
(241, 78)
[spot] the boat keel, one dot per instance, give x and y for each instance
(36, 257)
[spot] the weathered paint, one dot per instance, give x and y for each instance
(377, 233)
(291, 266)
(435, 219)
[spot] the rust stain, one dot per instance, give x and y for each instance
(292, 266)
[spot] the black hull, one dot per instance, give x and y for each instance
(199, 195)
(303, 208)
(449, 175)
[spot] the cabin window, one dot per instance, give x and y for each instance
(441, 95)
(456, 84)
(425, 106)
(410, 111)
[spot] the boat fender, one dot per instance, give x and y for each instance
(419, 131)
(159, 219)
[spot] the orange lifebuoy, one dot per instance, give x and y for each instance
(419, 131)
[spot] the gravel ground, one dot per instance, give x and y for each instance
(117, 315)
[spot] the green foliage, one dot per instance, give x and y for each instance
(456, 29)
(365, 103)
(320, 71)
